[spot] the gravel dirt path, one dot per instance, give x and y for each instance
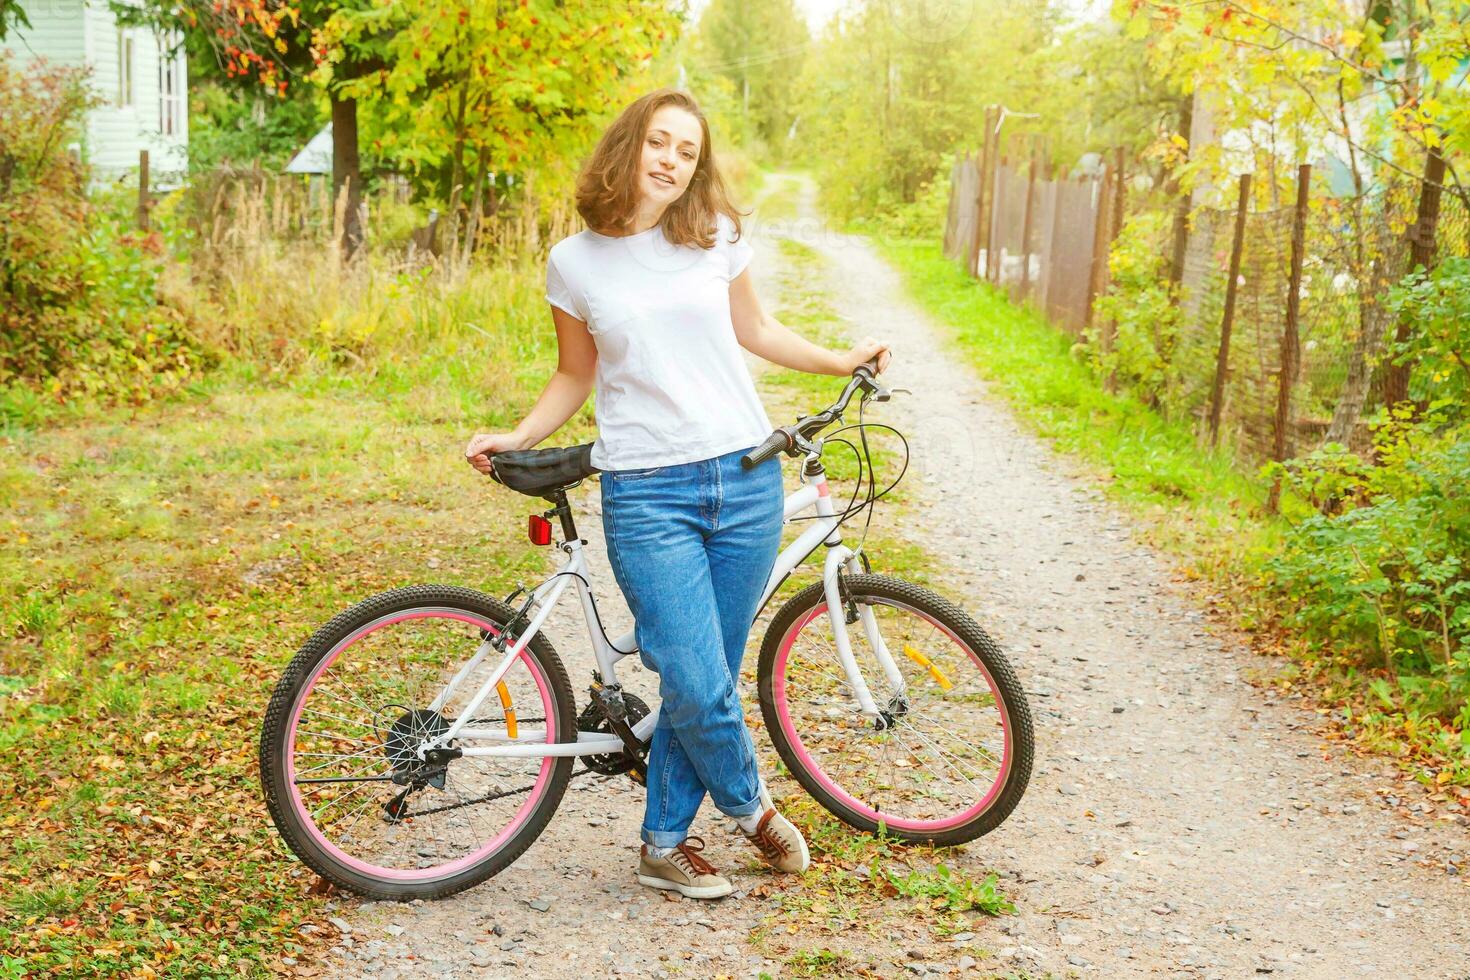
(1180, 822)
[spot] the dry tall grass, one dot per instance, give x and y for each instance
(271, 286)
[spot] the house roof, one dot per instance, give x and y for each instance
(316, 156)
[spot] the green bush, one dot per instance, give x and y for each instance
(80, 294)
(231, 128)
(1383, 570)
(1438, 305)
(1138, 303)
(1385, 581)
(923, 217)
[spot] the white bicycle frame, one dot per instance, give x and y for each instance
(531, 742)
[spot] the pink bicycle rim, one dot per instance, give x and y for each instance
(441, 871)
(783, 713)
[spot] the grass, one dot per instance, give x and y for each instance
(949, 890)
(817, 963)
(161, 567)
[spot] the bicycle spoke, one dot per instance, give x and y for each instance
(350, 721)
(329, 672)
(325, 714)
(377, 690)
(360, 772)
(338, 799)
(335, 759)
(356, 817)
(336, 738)
(943, 757)
(917, 766)
(963, 743)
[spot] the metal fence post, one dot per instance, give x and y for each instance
(1096, 269)
(1180, 230)
(949, 210)
(1222, 359)
(1110, 327)
(1049, 263)
(992, 241)
(1291, 351)
(987, 188)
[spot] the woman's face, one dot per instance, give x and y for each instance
(670, 152)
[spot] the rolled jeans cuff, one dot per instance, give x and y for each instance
(672, 838)
(663, 838)
(745, 809)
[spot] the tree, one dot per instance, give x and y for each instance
(760, 47)
(888, 92)
(11, 16)
(271, 44)
(1380, 88)
(463, 88)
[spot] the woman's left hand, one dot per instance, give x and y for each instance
(865, 350)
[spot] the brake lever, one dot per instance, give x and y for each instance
(882, 394)
(808, 446)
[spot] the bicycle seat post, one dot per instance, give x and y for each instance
(562, 509)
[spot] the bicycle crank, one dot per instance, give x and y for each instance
(611, 710)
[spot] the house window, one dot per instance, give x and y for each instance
(124, 68)
(170, 92)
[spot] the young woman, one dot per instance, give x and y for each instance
(652, 303)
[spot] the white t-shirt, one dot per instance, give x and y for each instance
(672, 385)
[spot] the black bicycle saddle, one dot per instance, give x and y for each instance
(543, 472)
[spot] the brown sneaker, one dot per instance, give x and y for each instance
(778, 840)
(683, 871)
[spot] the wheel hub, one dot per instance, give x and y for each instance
(412, 729)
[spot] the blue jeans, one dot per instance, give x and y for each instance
(691, 546)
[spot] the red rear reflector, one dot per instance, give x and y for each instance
(539, 530)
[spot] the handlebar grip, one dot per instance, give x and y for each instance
(870, 365)
(778, 441)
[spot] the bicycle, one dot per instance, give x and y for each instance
(388, 775)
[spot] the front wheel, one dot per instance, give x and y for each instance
(950, 755)
(340, 762)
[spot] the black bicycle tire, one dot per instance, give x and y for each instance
(319, 645)
(962, 625)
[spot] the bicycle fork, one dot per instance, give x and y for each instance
(839, 556)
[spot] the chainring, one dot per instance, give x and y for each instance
(592, 720)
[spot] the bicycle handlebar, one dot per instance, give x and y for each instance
(783, 440)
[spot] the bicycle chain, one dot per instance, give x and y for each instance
(491, 797)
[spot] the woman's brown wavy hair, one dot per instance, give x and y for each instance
(607, 194)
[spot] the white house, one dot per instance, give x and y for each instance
(138, 74)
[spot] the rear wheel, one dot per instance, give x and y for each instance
(339, 760)
(951, 755)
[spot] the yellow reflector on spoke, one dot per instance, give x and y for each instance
(928, 665)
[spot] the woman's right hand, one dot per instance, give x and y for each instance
(485, 445)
